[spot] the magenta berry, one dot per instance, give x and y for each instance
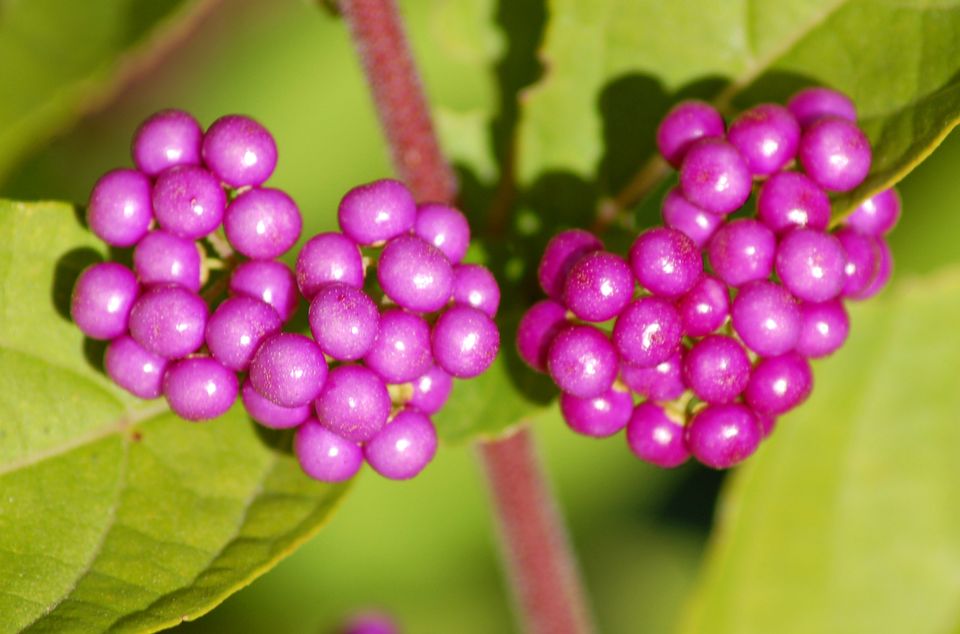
(169, 321)
(539, 325)
(662, 382)
(824, 328)
(120, 208)
(789, 200)
(742, 251)
(163, 258)
(562, 252)
(415, 274)
(878, 215)
(102, 299)
(721, 436)
(239, 151)
(600, 416)
(237, 328)
(687, 122)
(884, 270)
(862, 260)
(445, 228)
(401, 350)
(767, 318)
(288, 369)
(262, 223)
(166, 139)
(134, 368)
(647, 332)
(269, 281)
(811, 104)
(582, 361)
(325, 258)
(430, 391)
(465, 341)
(377, 211)
(717, 369)
(705, 307)
(474, 285)
(715, 177)
(598, 286)
(323, 455)
(835, 154)
(811, 265)
(654, 437)
(354, 403)
(344, 321)
(665, 262)
(404, 447)
(268, 413)
(778, 384)
(688, 219)
(199, 388)
(188, 201)
(766, 136)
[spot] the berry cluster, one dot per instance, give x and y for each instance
(714, 373)
(364, 386)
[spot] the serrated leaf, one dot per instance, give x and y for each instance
(115, 514)
(848, 520)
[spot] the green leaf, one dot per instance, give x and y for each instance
(115, 514)
(848, 520)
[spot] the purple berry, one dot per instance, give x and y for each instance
(717, 369)
(377, 211)
(262, 223)
(404, 447)
(742, 251)
(884, 270)
(789, 200)
(344, 321)
(323, 455)
(415, 274)
(656, 438)
(767, 137)
(328, 257)
(810, 104)
(430, 391)
(720, 436)
(687, 122)
(767, 318)
(270, 414)
(705, 308)
(288, 369)
(163, 258)
(199, 388)
(597, 417)
(835, 154)
(824, 328)
(715, 177)
(169, 321)
(778, 384)
(474, 285)
(647, 332)
(688, 219)
(862, 260)
(102, 299)
(539, 325)
(401, 351)
(166, 139)
(665, 262)
(562, 252)
(811, 265)
(445, 228)
(134, 368)
(354, 403)
(188, 201)
(465, 341)
(582, 361)
(239, 151)
(878, 215)
(237, 328)
(766, 423)
(269, 281)
(369, 623)
(598, 286)
(662, 382)
(120, 208)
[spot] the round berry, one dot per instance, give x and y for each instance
(810, 104)
(430, 391)
(662, 382)
(269, 281)
(647, 332)
(717, 369)
(369, 623)
(354, 403)
(562, 252)
(404, 447)
(465, 341)
(323, 455)
(582, 361)
(811, 265)
(742, 251)
(877, 215)
(415, 274)
(377, 211)
(474, 285)
(134, 368)
(268, 413)
(163, 258)
(199, 388)
(120, 208)
(778, 384)
(789, 200)
(665, 261)
(237, 328)
(767, 137)
(401, 351)
(262, 223)
(824, 328)
(705, 308)
(720, 436)
(598, 286)
(239, 151)
(445, 228)
(687, 122)
(169, 321)
(688, 219)
(766, 423)
(102, 299)
(835, 154)
(288, 369)
(715, 177)
(166, 139)
(656, 438)
(188, 201)
(862, 260)
(598, 417)
(884, 270)
(767, 318)
(328, 257)
(344, 321)
(537, 328)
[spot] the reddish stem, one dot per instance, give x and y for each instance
(537, 554)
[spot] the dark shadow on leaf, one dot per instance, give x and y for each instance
(280, 440)
(93, 351)
(65, 274)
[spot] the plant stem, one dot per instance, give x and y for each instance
(540, 565)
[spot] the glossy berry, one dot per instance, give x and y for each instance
(415, 274)
(102, 298)
(465, 341)
(166, 139)
(687, 122)
(269, 281)
(656, 438)
(810, 104)
(862, 260)
(647, 332)
(445, 228)
(377, 211)
(539, 325)
(767, 318)
(188, 201)
(705, 307)
(369, 623)
(688, 219)
(598, 286)
(824, 328)
(474, 285)
(404, 447)
(239, 151)
(262, 223)
(268, 413)
(344, 321)
(288, 369)
(354, 403)
(582, 361)
(720, 436)
(237, 328)
(199, 388)
(323, 455)
(169, 321)
(884, 271)
(401, 351)
(877, 215)
(715, 177)
(742, 251)
(430, 391)
(328, 257)
(120, 208)
(134, 368)
(717, 369)
(662, 382)
(835, 154)
(562, 252)
(163, 258)
(665, 262)
(600, 416)
(811, 265)
(778, 384)
(789, 200)
(767, 137)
